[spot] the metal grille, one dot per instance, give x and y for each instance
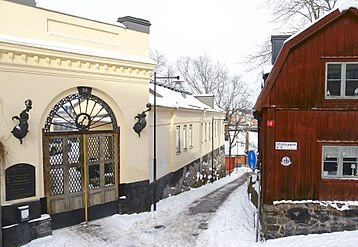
(94, 176)
(93, 149)
(75, 179)
(80, 112)
(64, 170)
(108, 147)
(109, 174)
(57, 182)
(74, 150)
(56, 151)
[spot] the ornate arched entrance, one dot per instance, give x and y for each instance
(81, 159)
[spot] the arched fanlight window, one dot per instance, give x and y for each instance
(81, 111)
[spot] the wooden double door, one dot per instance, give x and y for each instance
(80, 171)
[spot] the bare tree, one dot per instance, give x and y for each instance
(231, 94)
(163, 68)
(299, 12)
(289, 16)
(202, 74)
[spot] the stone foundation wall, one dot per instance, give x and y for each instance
(195, 174)
(24, 232)
(287, 219)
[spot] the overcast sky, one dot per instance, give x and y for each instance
(226, 30)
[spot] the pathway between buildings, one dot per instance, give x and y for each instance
(178, 227)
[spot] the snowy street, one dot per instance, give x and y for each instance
(217, 214)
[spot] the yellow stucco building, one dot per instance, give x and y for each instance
(94, 77)
(70, 89)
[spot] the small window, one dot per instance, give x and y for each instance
(339, 161)
(184, 138)
(205, 132)
(190, 136)
(202, 133)
(210, 131)
(177, 139)
(341, 80)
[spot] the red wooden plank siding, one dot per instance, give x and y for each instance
(302, 179)
(296, 102)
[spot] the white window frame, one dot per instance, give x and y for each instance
(340, 157)
(185, 138)
(190, 136)
(205, 131)
(343, 80)
(177, 139)
(210, 130)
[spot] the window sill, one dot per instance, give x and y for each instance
(341, 97)
(340, 178)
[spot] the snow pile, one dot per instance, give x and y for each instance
(347, 5)
(232, 225)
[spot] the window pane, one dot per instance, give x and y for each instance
(334, 71)
(333, 88)
(330, 161)
(330, 166)
(349, 166)
(352, 88)
(177, 139)
(352, 71)
(190, 135)
(184, 137)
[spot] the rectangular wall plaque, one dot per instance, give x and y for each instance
(286, 145)
(20, 181)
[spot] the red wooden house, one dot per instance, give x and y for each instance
(308, 114)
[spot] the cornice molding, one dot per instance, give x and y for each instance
(47, 60)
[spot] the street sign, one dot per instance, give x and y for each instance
(251, 159)
(286, 145)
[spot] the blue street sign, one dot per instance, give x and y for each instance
(251, 159)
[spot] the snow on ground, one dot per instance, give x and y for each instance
(232, 225)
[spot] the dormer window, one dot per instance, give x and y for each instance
(341, 80)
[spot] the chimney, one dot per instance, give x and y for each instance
(277, 43)
(135, 24)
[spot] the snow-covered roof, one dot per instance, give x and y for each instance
(51, 45)
(167, 97)
(347, 5)
(73, 12)
(267, 69)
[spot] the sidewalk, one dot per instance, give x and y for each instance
(211, 202)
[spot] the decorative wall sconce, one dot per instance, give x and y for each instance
(141, 122)
(20, 130)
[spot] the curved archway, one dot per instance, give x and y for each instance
(81, 111)
(81, 158)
